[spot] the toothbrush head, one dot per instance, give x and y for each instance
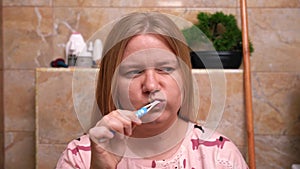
(144, 110)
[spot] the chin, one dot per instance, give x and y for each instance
(162, 119)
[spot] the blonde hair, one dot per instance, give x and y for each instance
(131, 25)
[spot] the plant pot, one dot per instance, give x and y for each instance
(216, 60)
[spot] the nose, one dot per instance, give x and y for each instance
(150, 82)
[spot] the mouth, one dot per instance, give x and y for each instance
(160, 106)
(154, 99)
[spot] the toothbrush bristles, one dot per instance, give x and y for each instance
(153, 104)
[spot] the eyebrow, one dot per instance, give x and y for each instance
(128, 65)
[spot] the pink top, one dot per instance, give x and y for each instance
(218, 152)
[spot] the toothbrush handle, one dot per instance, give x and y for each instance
(141, 112)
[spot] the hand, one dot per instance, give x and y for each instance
(108, 138)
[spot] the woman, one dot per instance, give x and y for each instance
(146, 59)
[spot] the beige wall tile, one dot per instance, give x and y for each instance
(233, 120)
(146, 3)
(276, 98)
(204, 92)
(277, 151)
(57, 125)
(243, 150)
(233, 111)
(215, 4)
(26, 2)
(86, 21)
(56, 119)
(27, 37)
(84, 3)
(272, 3)
(275, 37)
(19, 100)
(19, 150)
(152, 4)
(48, 155)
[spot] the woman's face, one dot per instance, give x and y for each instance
(150, 71)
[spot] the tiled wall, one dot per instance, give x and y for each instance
(34, 33)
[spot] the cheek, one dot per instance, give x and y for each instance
(128, 94)
(134, 92)
(122, 94)
(178, 90)
(174, 93)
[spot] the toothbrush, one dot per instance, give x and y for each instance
(144, 110)
(139, 113)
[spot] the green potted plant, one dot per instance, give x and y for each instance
(225, 36)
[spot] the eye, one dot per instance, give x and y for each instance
(167, 70)
(133, 73)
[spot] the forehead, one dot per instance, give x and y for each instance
(146, 41)
(152, 57)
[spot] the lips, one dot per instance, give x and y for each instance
(160, 100)
(160, 105)
(155, 98)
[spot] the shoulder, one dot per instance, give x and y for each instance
(81, 143)
(205, 137)
(216, 147)
(77, 154)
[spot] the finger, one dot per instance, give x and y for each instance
(120, 123)
(117, 124)
(130, 120)
(131, 116)
(100, 134)
(113, 122)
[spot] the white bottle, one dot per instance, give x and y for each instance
(97, 51)
(74, 46)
